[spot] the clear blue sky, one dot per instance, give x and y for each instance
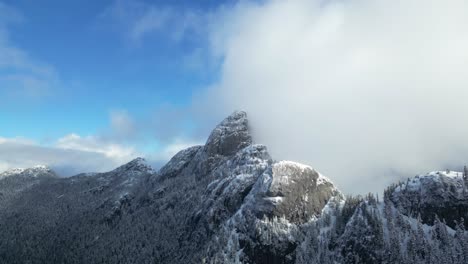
(97, 65)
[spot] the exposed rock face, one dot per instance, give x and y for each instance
(230, 136)
(267, 227)
(225, 202)
(228, 185)
(438, 193)
(179, 162)
(298, 192)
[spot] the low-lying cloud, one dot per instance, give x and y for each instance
(66, 160)
(71, 154)
(365, 91)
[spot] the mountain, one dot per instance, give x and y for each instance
(15, 181)
(227, 201)
(34, 172)
(441, 193)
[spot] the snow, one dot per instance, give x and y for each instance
(322, 179)
(275, 200)
(41, 167)
(34, 171)
(12, 172)
(287, 163)
(451, 174)
(285, 166)
(136, 165)
(415, 183)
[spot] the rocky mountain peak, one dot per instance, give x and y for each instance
(295, 191)
(35, 171)
(230, 136)
(228, 202)
(137, 165)
(430, 195)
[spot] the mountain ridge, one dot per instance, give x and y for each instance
(227, 201)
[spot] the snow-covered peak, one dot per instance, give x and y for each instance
(442, 178)
(451, 174)
(230, 136)
(11, 172)
(40, 167)
(179, 161)
(137, 165)
(431, 194)
(139, 161)
(35, 171)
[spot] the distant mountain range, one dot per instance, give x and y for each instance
(227, 202)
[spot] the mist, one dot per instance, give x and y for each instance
(367, 92)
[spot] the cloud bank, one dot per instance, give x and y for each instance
(68, 156)
(363, 90)
(119, 143)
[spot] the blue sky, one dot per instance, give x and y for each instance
(105, 81)
(97, 66)
(362, 90)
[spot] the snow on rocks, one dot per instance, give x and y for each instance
(35, 171)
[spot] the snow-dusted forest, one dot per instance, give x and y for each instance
(227, 202)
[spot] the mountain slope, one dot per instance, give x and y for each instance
(16, 181)
(227, 201)
(438, 193)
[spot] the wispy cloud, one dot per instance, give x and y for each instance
(123, 140)
(115, 151)
(137, 20)
(73, 154)
(21, 75)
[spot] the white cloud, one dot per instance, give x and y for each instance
(154, 19)
(173, 148)
(122, 124)
(116, 152)
(19, 140)
(21, 75)
(363, 90)
(73, 154)
(137, 20)
(65, 159)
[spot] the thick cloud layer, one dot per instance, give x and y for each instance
(365, 91)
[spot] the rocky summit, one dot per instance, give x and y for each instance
(228, 201)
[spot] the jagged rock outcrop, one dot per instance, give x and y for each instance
(227, 201)
(230, 136)
(229, 184)
(442, 194)
(295, 192)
